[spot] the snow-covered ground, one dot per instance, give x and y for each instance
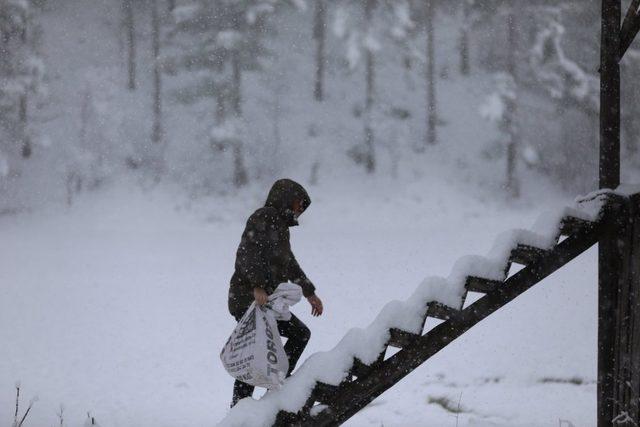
(118, 306)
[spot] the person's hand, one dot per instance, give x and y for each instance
(316, 305)
(260, 295)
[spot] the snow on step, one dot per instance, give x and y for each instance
(476, 266)
(509, 240)
(366, 344)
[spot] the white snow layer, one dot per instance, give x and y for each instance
(365, 344)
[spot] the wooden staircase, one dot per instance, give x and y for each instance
(331, 405)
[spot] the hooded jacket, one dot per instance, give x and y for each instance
(264, 258)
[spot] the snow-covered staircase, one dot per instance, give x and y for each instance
(331, 387)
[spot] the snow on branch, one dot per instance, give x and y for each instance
(561, 77)
(496, 105)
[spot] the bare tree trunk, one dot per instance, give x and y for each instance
(432, 116)
(276, 116)
(240, 177)
(512, 184)
(156, 133)
(464, 39)
(239, 171)
(85, 116)
(236, 96)
(23, 110)
(129, 24)
(221, 110)
(26, 142)
(369, 138)
(319, 34)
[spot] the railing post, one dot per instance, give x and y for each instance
(609, 168)
(626, 354)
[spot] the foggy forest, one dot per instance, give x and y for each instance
(139, 138)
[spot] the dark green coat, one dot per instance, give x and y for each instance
(264, 258)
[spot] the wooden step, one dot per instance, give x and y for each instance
(572, 225)
(359, 369)
(324, 393)
(481, 285)
(287, 419)
(441, 311)
(525, 255)
(401, 339)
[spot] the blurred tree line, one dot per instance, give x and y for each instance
(539, 57)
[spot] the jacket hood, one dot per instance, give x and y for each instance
(281, 197)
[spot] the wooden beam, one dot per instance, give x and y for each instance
(610, 95)
(626, 380)
(609, 171)
(609, 273)
(630, 27)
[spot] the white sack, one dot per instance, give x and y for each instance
(254, 353)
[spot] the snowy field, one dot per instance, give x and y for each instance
(118, 306)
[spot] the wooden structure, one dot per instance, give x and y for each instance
(618, 257)
(366, 382)
(617, 231)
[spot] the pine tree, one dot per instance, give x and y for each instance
(129, 26)
(22, 78)
(364, 37)
(371, 46)
(510, 117)
(432, 112)
(463, 45)
(156, 132)
(218, 41)
(414, 21)
(502, 106)
(572, 88)
(319, 34)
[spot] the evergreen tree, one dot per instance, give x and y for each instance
(218, 41)
(364, 27)
(507, 82)
(414, 19)
(558, 66)
(432, 113)
(21, 79)
(156, 132)
(129, 28)
(463, 43)
(319, 35)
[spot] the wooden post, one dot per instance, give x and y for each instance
(626, 381)
(610, 95)
(608, 252)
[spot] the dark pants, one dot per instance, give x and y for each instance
(297, 335)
